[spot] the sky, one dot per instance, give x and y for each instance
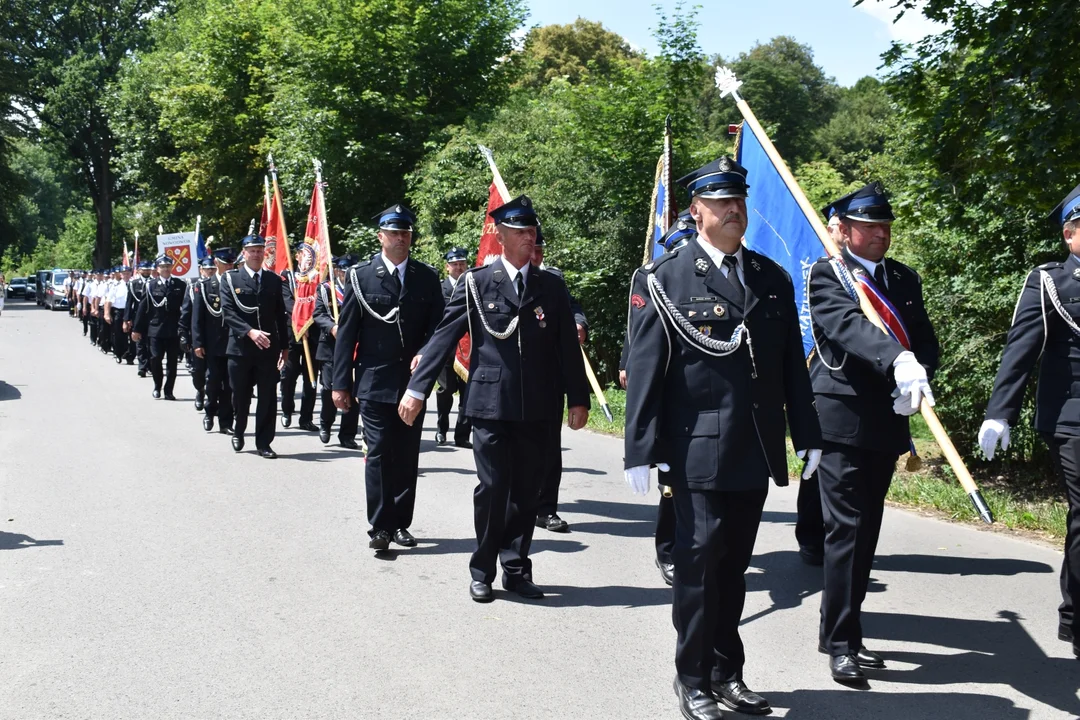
(847, 41)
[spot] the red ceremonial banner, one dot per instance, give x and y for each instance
(314, 260)
(487, 253)
(277, 240)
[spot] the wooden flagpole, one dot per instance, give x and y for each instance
(728, 84)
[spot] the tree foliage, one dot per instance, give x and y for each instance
(578, 51)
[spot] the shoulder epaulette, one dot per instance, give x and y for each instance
(1052, 265)
(651, 266)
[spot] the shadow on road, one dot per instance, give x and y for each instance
(614, 510)
(563, 596)
(9, 392)
(992, 652)
(818, 704)
(15, 541)
(949, 565)
(450, 471)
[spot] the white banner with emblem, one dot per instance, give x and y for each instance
(183, 248)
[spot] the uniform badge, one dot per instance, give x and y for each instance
(540, 315)
(380, 271)
(706, 330)
(719, 310)
(491, 306)
(692, 313)
(702, 265)
(636, 301)
(1076, 273)
(754, 263)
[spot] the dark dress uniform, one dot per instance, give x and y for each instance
(158, 319)
(518, 378)
(136, 293)
(324, 356)
(547, 506)
(852, 374)
(385, 322)
(1046, 330)
(209, 332)
(121, 345)
(253, 302)
(719, 423)
(295, 366)
(449, 384)
(198, 365)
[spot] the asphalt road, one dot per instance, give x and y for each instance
(147, 571)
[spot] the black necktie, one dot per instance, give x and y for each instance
(879, 277)
(519, 285)
(732, 264)
(256, 276)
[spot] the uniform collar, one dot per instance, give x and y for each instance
(512, 272)
(390, 266)
(717, 256)
(870, 266)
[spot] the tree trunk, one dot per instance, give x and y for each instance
(103, 207)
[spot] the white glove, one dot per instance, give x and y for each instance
(902, 406)
(989, 434)
(638, 479)
(811, 463)
(911, 380)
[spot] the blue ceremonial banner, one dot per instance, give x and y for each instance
(777, 227)
(663, 210)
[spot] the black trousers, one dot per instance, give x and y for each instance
(350, 419)
(142, 353)
(104, 331)
(450, 383)
(810, 522)
(218, 402)
(551, 476)
(93, 323)
(508, 458)
(121, 344)
(86, 322)
(665, 530)
(198, 373)
(295, 366)
(853, 483)
(245, 375)
(167, 349)
(392, 464)
(1066, 453)
(714, 541)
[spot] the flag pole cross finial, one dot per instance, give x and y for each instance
(727, 83)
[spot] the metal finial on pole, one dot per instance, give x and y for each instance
(727, 83)
(318, 169)
(251, 227)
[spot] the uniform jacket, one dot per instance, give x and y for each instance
(575, 306)
(1045, 338)
(383, 350)
(136, 291)
(526, 376)
(697, 412)
(164, 321)
(184, 326)
(323, 317)
(266, 312)
(208, 329)
(855, 401)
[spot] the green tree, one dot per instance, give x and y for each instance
(985, 145)
(360, 84)
(580, 50)
(66, 53)
(859, 128)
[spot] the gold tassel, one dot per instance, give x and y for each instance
(914, 463)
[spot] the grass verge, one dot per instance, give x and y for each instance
(933, 488)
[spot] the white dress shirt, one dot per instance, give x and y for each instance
(512, 272)
(871, 267)
(717, 256)
(391, 267)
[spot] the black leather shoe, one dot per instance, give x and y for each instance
(735, 695)
(286, 420)
(308, 426)
(157, 394)
(523, 586)
(170, 396)
(667, 571)
(844, 669)
(864, 658)
(1065, 633)
(238, 443)
(697, 704)
(350, 444)
(324, 436)
(379, 541)
(480, 592)
(200, 401)
(810, 556)
(463, 444)
(130, 362)
(440, 438)
(267, 453)
(552, 522)
(404, 538)
(207, 423)
(119, 360)
(225, 430)
(141, 373)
